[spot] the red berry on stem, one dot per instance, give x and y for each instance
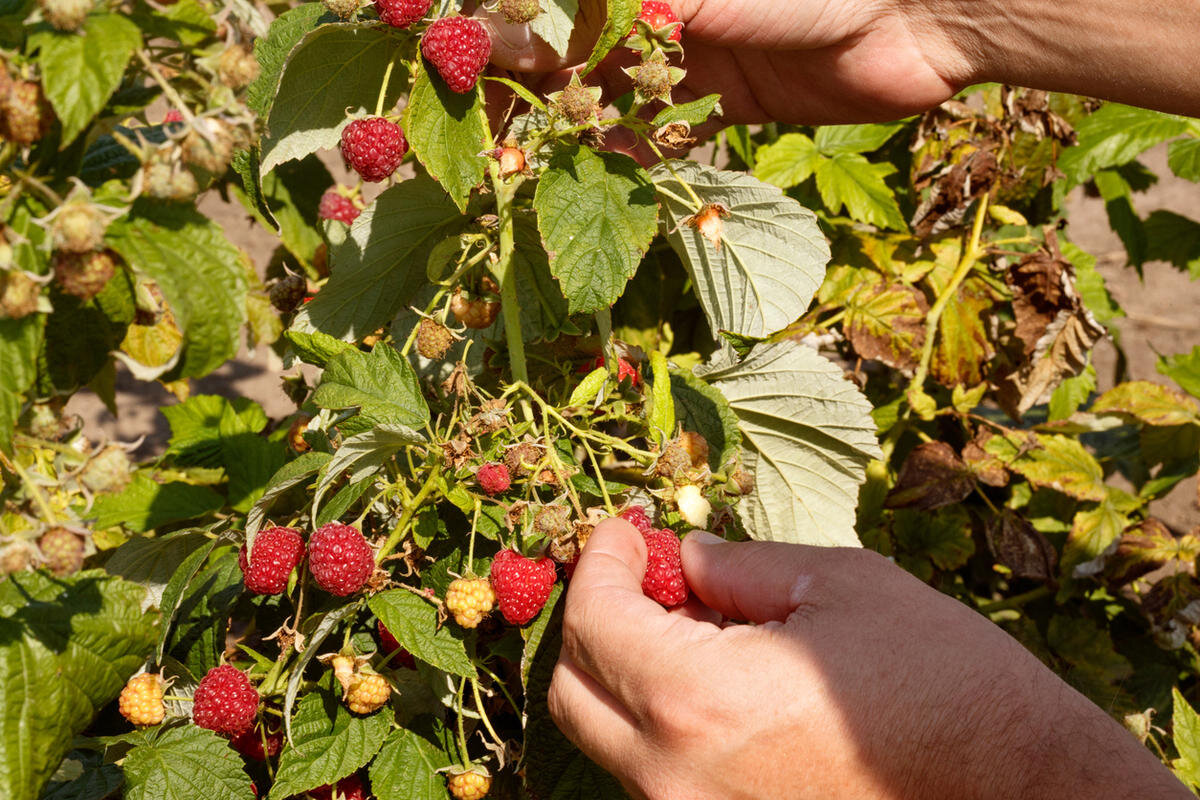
(402, 13)
(250, 744)
(459, 48)
(637, 517)
(625, 369)
(276, 552)
(373, 147)
(494, 478)
(348, 788)
(658, 14)
(225, 701)
(337, 206)
(389, 645)
(340, 559)
(522, 585)
(664, 580)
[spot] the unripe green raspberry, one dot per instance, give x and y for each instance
(653, 79)
(520, 12)
(578, 104)
(18, 294)
(66, 15)
(26, 114)
(237, 67)
(343, 9)
(84, 274)
(107, 471)
(62, 550)
(78, 227)
(15, 558)
(167, 180)
(209, 146)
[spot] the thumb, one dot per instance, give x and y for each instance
(752, 581)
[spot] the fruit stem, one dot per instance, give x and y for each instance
(506, 271)
(39, 500)
(176, 101)
(970, 257)
(410, 509)
(487, 723)
(462, 736)
(1015, 602)
(387, 78)
(666, 162)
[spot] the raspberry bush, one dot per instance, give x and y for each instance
(497, 333)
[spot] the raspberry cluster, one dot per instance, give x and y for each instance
(141, 701)
(664, 581)
(470, 600)
(494, 478)
(469, 785)
(368, 692)
(402, 13)
(336, 206)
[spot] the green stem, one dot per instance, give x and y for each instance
(970, 257)
(487, 723)
(410, 509)
(1016, 601)
(412, 336)
(168, 90)
(462, 736)
(387, 78)
(506, 272)
(34, 492)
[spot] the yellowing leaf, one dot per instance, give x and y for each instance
(1149, 403)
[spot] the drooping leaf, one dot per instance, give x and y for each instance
(807, 439)
(1054, 462)
(362, 455)
(80, 71)
(703, 409)
(1093, 531)
(597, 216)
(151, 561)
(621, 14)
(290, 474)
(1149, 403)
(271, 52)
(771, 255)
(448, 132)
(182, 764)
(887, 323)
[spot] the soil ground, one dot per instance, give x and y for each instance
(1161, 319)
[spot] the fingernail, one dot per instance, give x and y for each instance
(705, 538)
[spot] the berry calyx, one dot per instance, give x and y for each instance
(225, 701)
(348, 788)
(62, 550)
(637, 517)
(658, 15)
(276, 552)
(520, 12)
(373, 147)
(664, 580)
(459, 48)
(470, 600)
(391, 648)
(402, 13)
(336, 206)
(141, 701)
(368, 692)
(522, 585)
(493, 478)
(250, 744)
(472, 784)
(340, 559)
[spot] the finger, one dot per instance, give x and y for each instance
(753, 581)
(591, 717)
(518, 48)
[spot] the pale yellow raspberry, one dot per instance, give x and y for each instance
(470, 600)
(368, 693)
(141, 700)
(469, 785)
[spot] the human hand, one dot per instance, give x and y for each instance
(857, 681)
(811, 62)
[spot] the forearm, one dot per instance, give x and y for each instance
(1131, 51)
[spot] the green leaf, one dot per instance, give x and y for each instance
(80, 335)
(1183, 157)
(414, 623)
(290, 474)
(381, 265)
(771, 256)
(202, 618)
(535, 633)
(1175, 239)
(80, 71)
(621, 14)
(1093, 530)
(177, 587)
(597, 216)
(202, 275)
(407, 769)
(834, 139)
(1091, 285)
(1096, 668)
(328, 742)
(332, 69)
(1185, 734)
(556, 22)
(1184, 369)
(96, 778)
(67, 646)
(702, 408)
(363, 455)
(20, 342)
(448, 132)
(848, 179)
(184, 763)
(199, 423)
(1072, 393)
(943, 536)
(788, 161)
(146, 504)
(185, 21)
(1116, 135)
(693, 113)
(316, 348)
(271, 51)
(807, 439)
(151, 561)
(381, 384)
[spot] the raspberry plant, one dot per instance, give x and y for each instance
(873, 335)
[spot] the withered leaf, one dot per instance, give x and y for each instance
(932, 476)
(887, 323)
(963, 348)
(1030, 110)
(1150, 403)
(1022, 548)
(1147, 546)
(956, 187)
(987, 468)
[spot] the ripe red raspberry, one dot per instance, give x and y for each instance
(337, 206)
(348, 788)
(225, 701)
(658, 14)
(637, 517)
(373, 147)
(664, 581)
(625, 369)
(250, 744)
(340, 559)
(522, 585)
(459, 48)
(277, 551)
(402, 13)
(493, 478)
(392, 649)
(141, 700)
